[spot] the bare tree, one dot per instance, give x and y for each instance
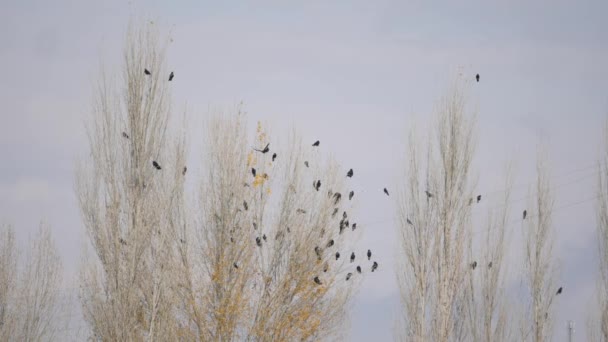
(129, 192)
(434, 226)
(598, 322)
(538, 260)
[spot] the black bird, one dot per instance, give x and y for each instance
(477, 77)
(245, 205)
(348, 276)
(317, 281)
(428, 194)
(525, 214)
(337, 255)
(337, 197)
(306, 163)
(258, 241)
(171, 75)
(125, 135)
(350, 195)
(374, 266)
(386, 192)
(490, 265)
(349, 173)
(253, 171)
(409, 221)
(478, 198)
(265, 150)
(330, 243)
(264, 237)
(354, 226)
(301, 211)
(369, 254)
(317, 185)
(352, 257)
(274, 156)
(335, 212)
(147, 72)
(155, 164)
(316, 143)
(559, 291)
(359, 269)
(474, 264)
(235, 266)
(184, 171)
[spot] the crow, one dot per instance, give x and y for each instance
(318, 281)
(155, 164)
(350, 195)
(359, 269)
(369, 254)
(274, 156)
(478, 198)
(245, 205)
(477, 77)
(490, 265)
(374, 266)
(337, 197)
(352, 257)
(474, 264)
(235, 266)
(349, 173)
(559, 291)
(125, 135)
(354, 226)
(253, 171)
(184, 171)
(265, 150)
(335, 212)
(428, 194)
(171, 75)
(337, 255)
(525, 214)
(258, 241)
(306, 163)
(316, 143)
(330, 243)
(386, 192)
(147, 72)
(409, 221)
(301, 211)
(348, 276)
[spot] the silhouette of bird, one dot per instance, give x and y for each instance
(478, 198)
(274, 156)
(374, 266)
(125, 135)
(428, 194)
(354, 226)
(350, 195)
(490, 265)
(409, 221)
(317, 280)
(235, 266)
(317, 185)
(155, 164)
(474, 264)
(386, 192)
(525, 214)
(258, 241)
(171, 75)
(348, 276)
(184, 171)
(335, 212)
(316, 143)
(265, 150)
(359, 269)
(337, 255)
(264, 237)
(369, 254)
(301, 211)
(245, 205)
(330, 243)
(477, 77)
(349, 173)
(352, 257)
(253, 171)
(306, 163)
(337, 197)
(559, 291)
(147, 72)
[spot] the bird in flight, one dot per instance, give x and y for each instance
(559, 291)
(156, 165)
(477, 77)
(374, 266)
(386, 192)
(352, 257)
(274, 156)
(316, 143)
(478, 198)
(349, 173)
(265, 150)
(369, 254)
(350, 195)
(525, 214)
(147, 72)
(317, 281)
(171, 75)
(125, 135)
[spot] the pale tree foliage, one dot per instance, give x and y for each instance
(540, 270)
(598, 322)
(250, 273)
(129, 208)
(30, 303)
(434, 227)
(486, 301)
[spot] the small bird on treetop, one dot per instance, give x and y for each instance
(316, 143)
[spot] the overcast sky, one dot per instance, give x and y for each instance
(355, 75)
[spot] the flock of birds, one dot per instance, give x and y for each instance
(344, 223)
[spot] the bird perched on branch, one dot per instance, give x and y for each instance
(184, 171)
(474, 264)
(265, 150)
(349, 173)
(318, 281)
(350, 195)
(369, 254)
(559, 291)
(171, 75)
(274, 156)
(359, 269)
(478, 198)
(253, 171)
(317, 185)
(386, 192)
(525, 214)
(337, 255)
(316, 143)
(147, 72)
(477, 78)
(354, 226)
(156, 165)
(374, 266)
(352, 257)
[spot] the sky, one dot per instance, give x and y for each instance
(357, 76)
